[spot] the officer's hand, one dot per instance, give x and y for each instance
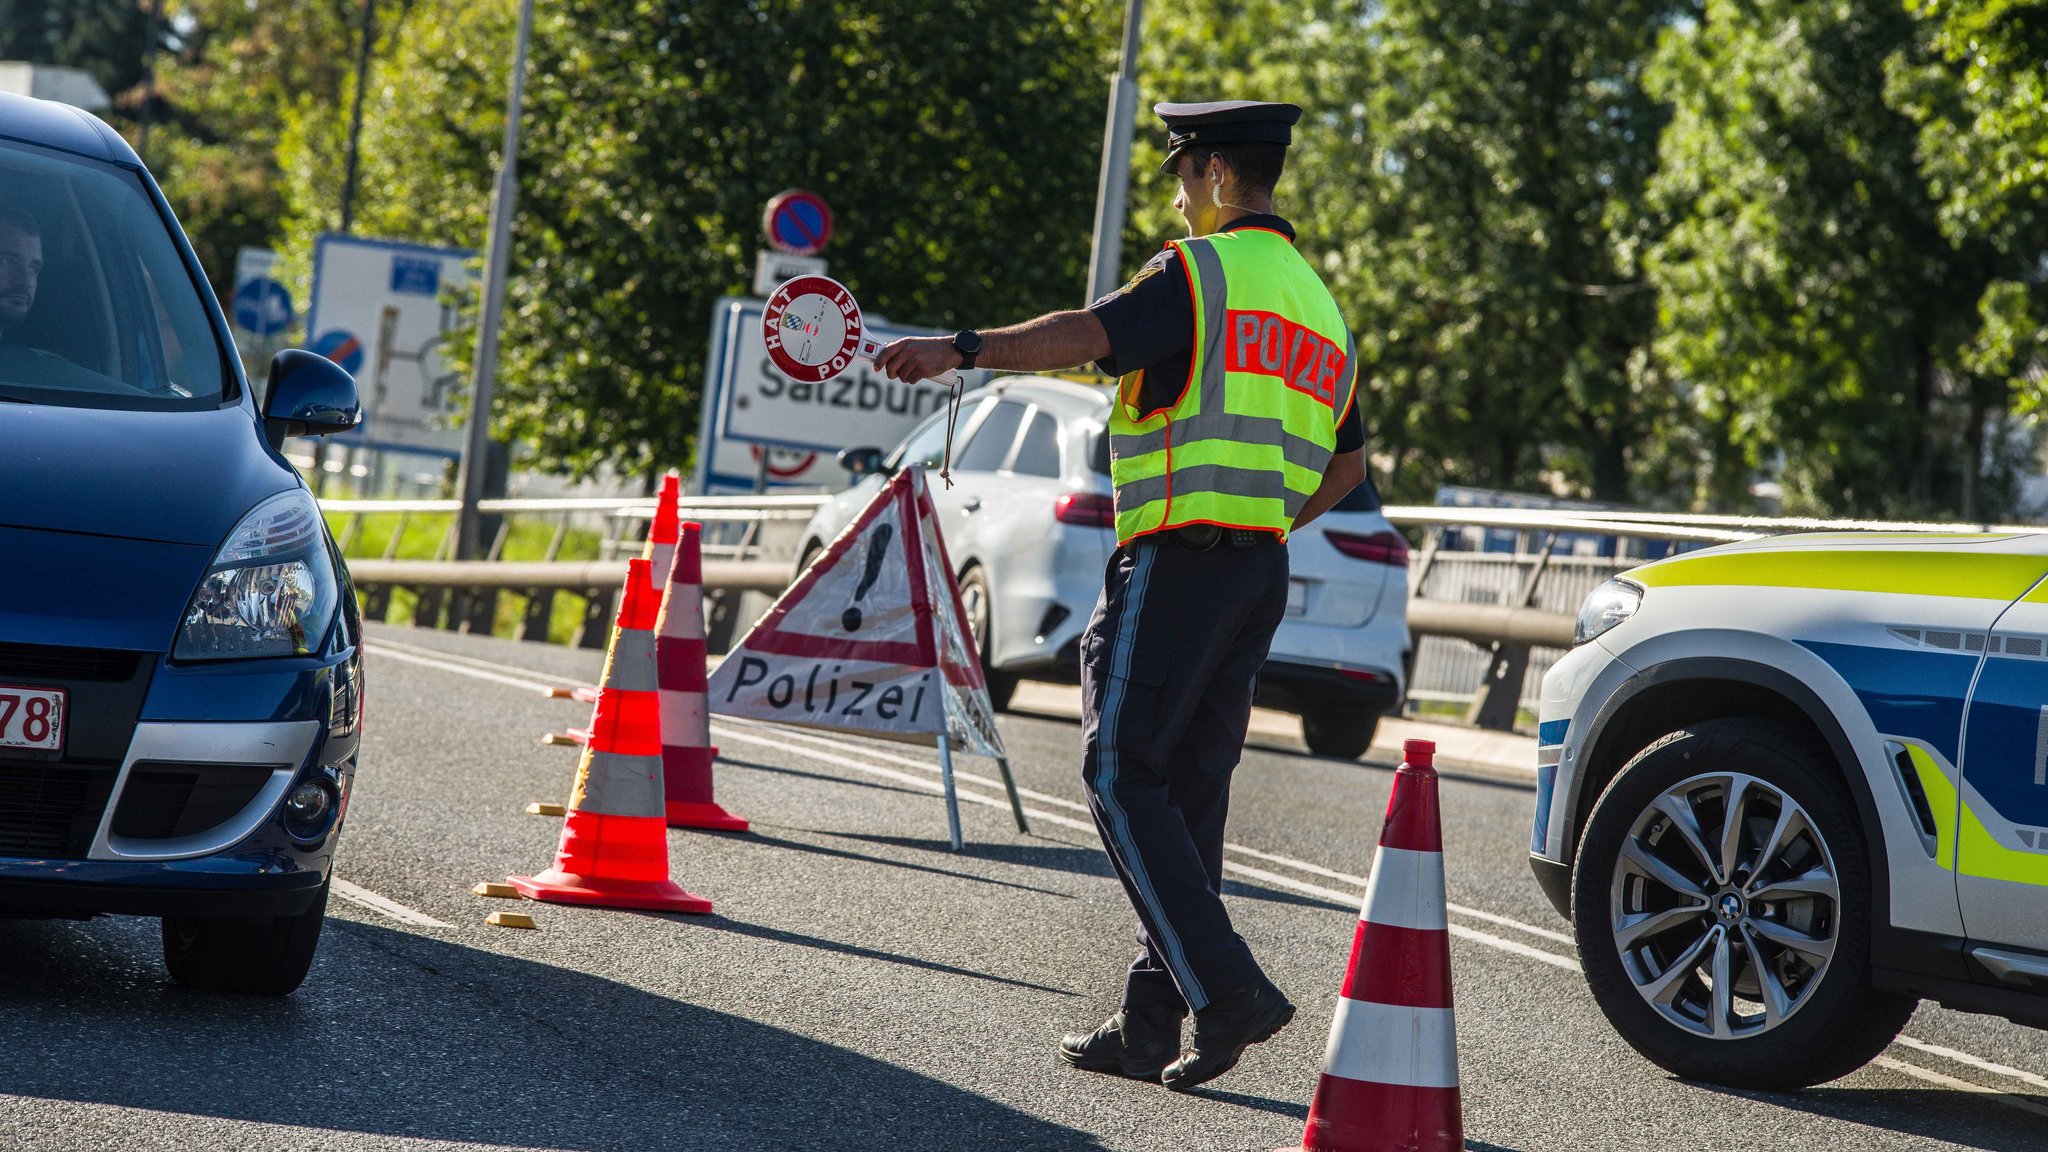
(915, 358)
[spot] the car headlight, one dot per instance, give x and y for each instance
(1608, 605)
(271, 590)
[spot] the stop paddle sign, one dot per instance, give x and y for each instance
(813, 331)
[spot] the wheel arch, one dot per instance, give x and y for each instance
(1671, 695)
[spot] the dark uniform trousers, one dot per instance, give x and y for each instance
(1168, 666)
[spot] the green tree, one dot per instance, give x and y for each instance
(1809, 296)
(943, 134)
(1978, 94)
(108, 38)
(242, 71)
(1469, 176)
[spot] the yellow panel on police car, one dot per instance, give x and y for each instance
(1976, 575)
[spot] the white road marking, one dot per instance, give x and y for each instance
(357, 894)
(1977, 1062)
(390, 653)
(815, 746)
(471, 661)
(1932, 1077)
(1228, 846)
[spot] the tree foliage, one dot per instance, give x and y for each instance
(1470, 176)
(1636, 249)
(1978, 92)
(941, 133)
(107, 38)
(1809, 294)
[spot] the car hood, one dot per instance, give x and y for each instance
(69, 589)
(166, 477)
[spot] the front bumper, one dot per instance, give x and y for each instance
(1568, 689)
(160, 840)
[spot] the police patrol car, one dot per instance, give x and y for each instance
(1789, 787)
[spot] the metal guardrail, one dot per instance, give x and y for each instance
(1507, 604)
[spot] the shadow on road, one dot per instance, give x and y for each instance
(1079, 861)
(777, 935)
(409, 1036)
(842, 854)
(754, 766)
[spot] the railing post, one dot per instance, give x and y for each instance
(539, 614)
(376, 601)
(426, 611)
(349, 534)
(595, 630)
(397, 534)
(1499, 696)
(555, 545)
(479, 611)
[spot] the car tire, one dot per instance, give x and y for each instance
(1651, 957)
(974, 596)
(1339, 730)
(254, 957)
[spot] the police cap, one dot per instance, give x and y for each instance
(1225, 122)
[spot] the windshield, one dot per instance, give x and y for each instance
(97, 310)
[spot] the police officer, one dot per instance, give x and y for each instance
(1234, 424)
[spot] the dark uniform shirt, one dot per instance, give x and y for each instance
(1151, 326)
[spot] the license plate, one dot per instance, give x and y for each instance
(31, 717)
(1297, 597)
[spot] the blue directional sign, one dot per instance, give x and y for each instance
(416, 275)
(263, 306)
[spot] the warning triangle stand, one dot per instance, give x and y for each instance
(872, 639)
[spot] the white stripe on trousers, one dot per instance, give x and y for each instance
(1105, 784)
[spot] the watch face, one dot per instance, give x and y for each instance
(967, 343)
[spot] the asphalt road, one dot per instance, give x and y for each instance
(859, 986)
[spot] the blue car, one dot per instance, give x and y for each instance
(180, 656)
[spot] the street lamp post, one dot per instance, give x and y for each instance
(1107, 253)
(483, 376)
(355, 120)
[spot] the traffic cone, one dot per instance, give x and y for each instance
(614, 847)
(686, 751)
(659, 551)
(1390, 1074)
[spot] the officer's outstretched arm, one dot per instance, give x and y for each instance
(1345, 471)
(1054, 341)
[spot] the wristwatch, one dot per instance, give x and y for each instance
(967, 342)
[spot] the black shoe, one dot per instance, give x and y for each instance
(1136, 1042)
(1230, 1024)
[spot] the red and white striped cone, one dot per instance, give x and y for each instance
(662, 534)
(686, 751)
(614, 846)
(659, 552)
(1390, 1074)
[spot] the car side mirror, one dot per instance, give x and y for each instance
(309, 395)
(863, 461)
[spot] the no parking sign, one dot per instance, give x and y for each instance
(797, 222)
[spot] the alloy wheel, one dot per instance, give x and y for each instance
(1725, 905)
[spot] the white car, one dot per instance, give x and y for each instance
(1029, 523)
(1788, 788)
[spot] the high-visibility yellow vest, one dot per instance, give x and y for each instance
(1273, 371)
